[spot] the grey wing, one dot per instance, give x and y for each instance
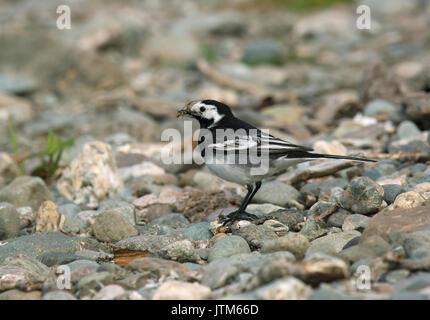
(258, 142)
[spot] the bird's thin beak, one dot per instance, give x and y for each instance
(185, 111)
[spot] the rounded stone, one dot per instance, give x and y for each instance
(362, 196)
(227, 247)
(391, 191)
(9, 221)
(198, 231)
(111, 226)
(26, 191)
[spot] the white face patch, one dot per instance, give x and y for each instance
(206, 111)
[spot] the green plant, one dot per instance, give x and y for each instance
(50, 156)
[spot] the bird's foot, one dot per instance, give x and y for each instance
(236, 216)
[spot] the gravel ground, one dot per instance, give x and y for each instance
(116, 222)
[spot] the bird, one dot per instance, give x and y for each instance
(231, 149)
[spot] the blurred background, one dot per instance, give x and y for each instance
(300, 68)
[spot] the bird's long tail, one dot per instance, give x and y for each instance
(330, 156)
(309, 155)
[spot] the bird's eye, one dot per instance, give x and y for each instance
(202, 109)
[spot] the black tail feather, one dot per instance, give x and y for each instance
(308, 155)
(330, 156)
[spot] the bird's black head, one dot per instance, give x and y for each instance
(207, 112)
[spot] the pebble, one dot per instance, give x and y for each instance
(172, 220)
(408, 200)
(123, 207)
(9, 221)
(332, 243)
(295, 243)
(255, 235)
(47, 218)
(407, 129)
(391, 191)
(362, 196)
(111, 226)
(82, 181)
(288, 288)
(20, 295)
(313, 229)
(109, 292)
(26, 191)
(39, 243)
(53, 258)
(338, 218)
(58, 295)
(355, 222)
(227, 247)
(323, 187)
(180, 290)
(181, 251)
(198, 231)
(276, 193)
(383, 110)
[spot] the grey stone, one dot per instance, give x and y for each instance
(9, 221)
(407, 129)
(53, 258)
(15, 294)
(315, 188)
(228, 246)
(26, 191)
(416, 282)
(72, 223)
(192, 266)
(287, 288)
(111, 226)
(263, 209)
(276, 192)
(255, 234)
(290, 218)
(181, 251)
(58, 295)
(172, 220)
(377, 108)
(295, 243)
(123, 207)
(391, 191)
(396, 275)
(16, 84)
(313, 229)
(373, 247)
(224, 271)
(362, 196)
(373, 174)
(337, 219)
(415, 240)
(198, 231)
(355, 222)
(151, 243)
(332, 243)
(39, 243)
(26, 272)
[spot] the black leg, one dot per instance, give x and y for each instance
(240, 214)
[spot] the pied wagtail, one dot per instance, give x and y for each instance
(233, 156)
